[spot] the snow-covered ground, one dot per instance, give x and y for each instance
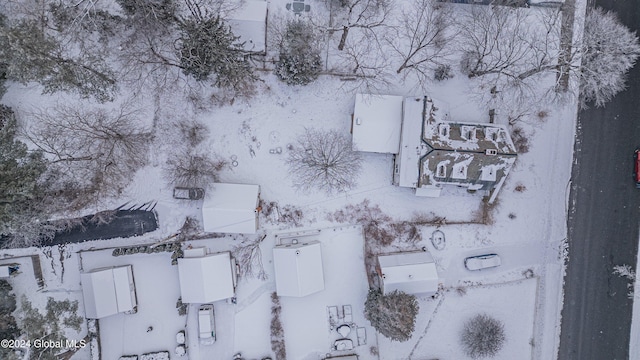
(528, 230)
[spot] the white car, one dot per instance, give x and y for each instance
(206, 324)
(482, 262)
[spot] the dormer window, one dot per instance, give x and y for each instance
(459, 171)
(468, 132)
(443, 130)
(441, 171)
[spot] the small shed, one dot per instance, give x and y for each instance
(377, 121)
(409, 272)
(108, 291)
(298, 268)
(231, 208)
(206, 277)
(249, 22)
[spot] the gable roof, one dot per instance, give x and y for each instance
(410, 272)
(231, 208)
(250, 23)
(206, 278)
(298, 269)
(377, 120)
(108, 291)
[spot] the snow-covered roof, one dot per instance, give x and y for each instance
(108, 291)
(5, 271)
(377, 120)
(411, 272)
(411, 146)
(250, 23)
(298, 269)
(206, 278)
(231, 208)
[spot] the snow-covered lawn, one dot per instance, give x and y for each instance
(440, 322)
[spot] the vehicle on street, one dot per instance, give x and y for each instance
(187, 193)
(482, 262)
(636, 167)
(206, 324)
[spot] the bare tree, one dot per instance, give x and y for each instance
(363, 14)
(609, 49)
(249, 258)
(482, 336)
(324, 160)
(422, 37)
(494, 41)
(93, 151)
(365, 63)
(192, 169)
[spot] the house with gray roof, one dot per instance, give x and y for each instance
(435, 151)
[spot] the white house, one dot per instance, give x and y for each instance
(249, 22)
(377, 120)
(206, 277)
(298, 268)
(108, 291)
(409, 272)
(231, 208)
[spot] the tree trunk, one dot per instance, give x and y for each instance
(343, 39)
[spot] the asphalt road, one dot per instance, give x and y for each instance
(603, 222)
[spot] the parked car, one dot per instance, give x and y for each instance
(636, 167)
(187, 193)
(482, 261)
(206, 324)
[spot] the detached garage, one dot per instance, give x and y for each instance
(298, 268)
(409, 272)
(108, 291)
(231, 208)
(206, 277)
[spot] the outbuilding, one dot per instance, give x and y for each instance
(108, 291)
(408, 272)
(206, 277)
(298, 268)
(231, 208)
(249, 23)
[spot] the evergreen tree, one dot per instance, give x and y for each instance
(20, 170)
(392, 315)
(299, 62)
(32, 55)
(208, 47)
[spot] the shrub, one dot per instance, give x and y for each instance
(482, 336)
(392, 315)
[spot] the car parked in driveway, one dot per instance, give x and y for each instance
(636, 167)
(187, 193)
(206, 324)
(482, 262)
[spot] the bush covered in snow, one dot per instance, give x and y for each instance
(299, 62)
(277, 331)
(392, 315)
(482, 336)
(323, 159)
